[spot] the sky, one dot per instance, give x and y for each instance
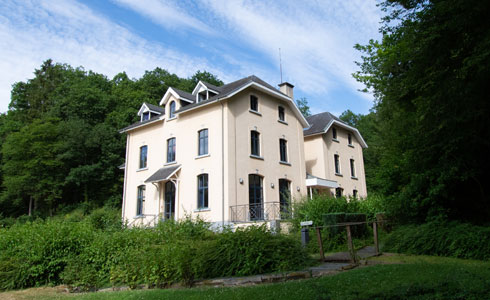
(231, 39)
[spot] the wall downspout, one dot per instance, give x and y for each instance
(125, 178)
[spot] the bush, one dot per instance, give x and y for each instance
(95, 252)
(452, 239)
(333, 219)
(360, 230)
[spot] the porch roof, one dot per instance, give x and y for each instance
(163, 174)
(320, 183)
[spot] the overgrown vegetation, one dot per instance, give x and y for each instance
(96, 252)
(451, 239)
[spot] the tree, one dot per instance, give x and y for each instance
(303, 107)
(430, 77)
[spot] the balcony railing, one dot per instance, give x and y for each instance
(266, 211)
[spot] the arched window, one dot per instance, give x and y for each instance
(172, 110)
(202, 191)
(255, 196)
(255, 142)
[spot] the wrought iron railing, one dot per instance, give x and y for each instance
(266, 211)
(145, 220)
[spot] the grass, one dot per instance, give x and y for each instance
(393, 277)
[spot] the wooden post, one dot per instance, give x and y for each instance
(375, 232)
(351, 246)
(320, 243)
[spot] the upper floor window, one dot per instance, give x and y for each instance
(146, 116)
(352, 168)
(349, 139)
(281, 113)
(140, 200)
(254, 103)
(255, 142)
(143, 156)
(283, 150)
(171, 150)
(203, 142)
(334, 133)
(337, 163)
(172, 110)
(202, 191)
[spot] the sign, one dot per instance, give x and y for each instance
(306, 223)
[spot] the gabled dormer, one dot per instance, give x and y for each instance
(203, 91)
(148, 111)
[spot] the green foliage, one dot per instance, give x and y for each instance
(303, 106)
(451, 239)
(60, 140)
(97, 251)
(429, 75)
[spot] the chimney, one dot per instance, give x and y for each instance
(287, 88)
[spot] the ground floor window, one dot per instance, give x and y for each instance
(140, 200)
(339, 192)
(202, 191)
(255, 196)
(169, 200)
(284, 198)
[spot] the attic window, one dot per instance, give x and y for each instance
(202, 96)
(146, 116)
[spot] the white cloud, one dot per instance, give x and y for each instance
(70, 32)
(167, 14)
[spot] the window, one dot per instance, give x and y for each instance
(203, 142)
(283, 150)
(349, 139)
(284, 198)
(354, 194)
(146, 116)
(352, 168)
(140, 200)
(171, 150)
(334, 133)
(337, 163)
(169, 200)
(202, 191)
(281, 113)
(338, 192)
(143, 156)
(255, 142)
(172, 110)
(255, 197)
(254, 103)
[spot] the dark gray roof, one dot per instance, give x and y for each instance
(212, 86)
(184, 94)
(137, 124)
(228, 89)
(162, 174)
(318, 122)
(155, 107)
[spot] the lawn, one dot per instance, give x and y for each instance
(395, 277)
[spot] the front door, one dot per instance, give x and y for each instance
(169, 200)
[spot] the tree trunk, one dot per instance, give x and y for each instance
(30, 206)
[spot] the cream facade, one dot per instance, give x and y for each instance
(229, 154)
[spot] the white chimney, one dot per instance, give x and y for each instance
(287, 88)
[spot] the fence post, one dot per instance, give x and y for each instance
(320, 243)
(375, 232)
(350, 245)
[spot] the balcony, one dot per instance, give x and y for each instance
(266, 211)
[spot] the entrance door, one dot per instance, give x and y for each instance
(255, 196)
(169, 200)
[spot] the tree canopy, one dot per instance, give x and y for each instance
(60, 144)
(430, 75)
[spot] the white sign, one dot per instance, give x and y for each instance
(306, 223)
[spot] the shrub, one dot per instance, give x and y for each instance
(333, 219)
(360, 230)
(452, 239)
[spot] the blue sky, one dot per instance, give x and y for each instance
(231, 39)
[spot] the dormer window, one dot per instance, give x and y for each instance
(146, 116)
(202, 96)
(172, 110)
